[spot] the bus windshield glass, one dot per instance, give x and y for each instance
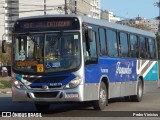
(51, 52)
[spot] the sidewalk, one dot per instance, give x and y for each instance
(5, 91)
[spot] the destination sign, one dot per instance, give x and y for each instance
(27, 63)
(47, 24)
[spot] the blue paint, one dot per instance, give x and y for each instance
(19, 77)
(152, 75)
(117, 70)
(68, 78)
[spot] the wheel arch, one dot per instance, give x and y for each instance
(105, 79)
(142, 79)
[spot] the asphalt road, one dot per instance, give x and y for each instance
(117, 107)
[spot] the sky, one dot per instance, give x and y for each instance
(131, 8)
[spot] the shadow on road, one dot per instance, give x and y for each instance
(7, 105)
(58, 110)
(83, 109)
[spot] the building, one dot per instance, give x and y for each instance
(1, 18)
(108, 15)
(89, 8)
(153, 24)
(11, 14)
(142, 23)
(95, 8)
(84, 7)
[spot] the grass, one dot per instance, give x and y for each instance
(5, 84)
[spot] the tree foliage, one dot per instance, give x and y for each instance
(5, 58)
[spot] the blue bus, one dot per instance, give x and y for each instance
(73, 58)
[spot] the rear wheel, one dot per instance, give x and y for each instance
(42, 107)
(139, 95)
(103, 98)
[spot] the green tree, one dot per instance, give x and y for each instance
(5, 58)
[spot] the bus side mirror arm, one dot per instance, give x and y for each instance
(4, 46)
(88, 40)
(89, 35)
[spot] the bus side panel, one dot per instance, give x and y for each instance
(149, 70)
(91, 82)
(121, 75)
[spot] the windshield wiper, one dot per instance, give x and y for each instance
(57, 38)
(32, 39)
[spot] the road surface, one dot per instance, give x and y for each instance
(150, 105)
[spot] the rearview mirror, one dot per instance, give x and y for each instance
(4, 46)
(88, 33)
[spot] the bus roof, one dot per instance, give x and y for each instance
(99, 22)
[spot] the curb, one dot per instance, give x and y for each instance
(5, 92)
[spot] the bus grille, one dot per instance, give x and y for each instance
(45, 94)
(40, 87)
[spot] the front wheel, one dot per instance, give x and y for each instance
(103, 98)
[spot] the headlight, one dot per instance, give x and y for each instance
(74, 83)
(18, 84)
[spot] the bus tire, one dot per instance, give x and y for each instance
(103, 98)
(139, 95)
(42, 107)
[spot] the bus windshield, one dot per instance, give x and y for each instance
(51, 52)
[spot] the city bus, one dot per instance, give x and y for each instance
(74, 58)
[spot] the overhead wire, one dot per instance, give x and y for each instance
(34, 5)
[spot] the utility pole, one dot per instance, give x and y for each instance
(75, 7)
(65, 7)
(44, 7)
(157, 4)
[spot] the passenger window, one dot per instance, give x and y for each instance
(151, 48)
(102, 41)
(124, 45)
(93, 50)
(143, 49)
(133, 46)
(112, 43)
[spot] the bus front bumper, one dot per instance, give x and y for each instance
(63, 95)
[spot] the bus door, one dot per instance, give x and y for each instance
(90, 57)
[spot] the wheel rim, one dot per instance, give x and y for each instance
(102, 96)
